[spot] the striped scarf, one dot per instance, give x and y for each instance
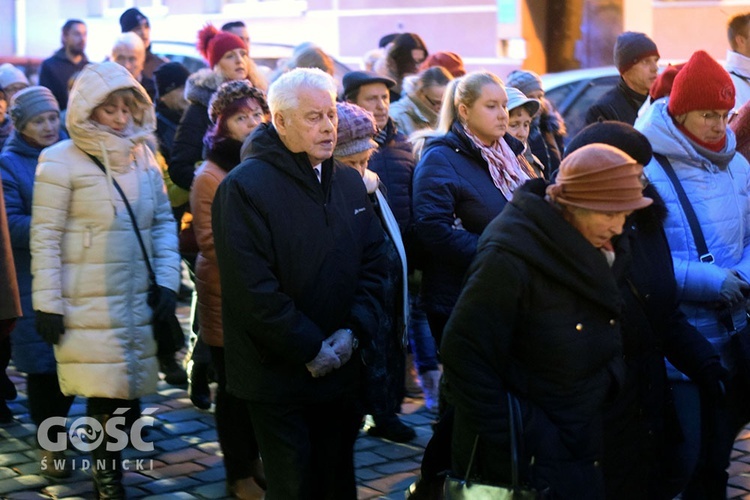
(505, 169)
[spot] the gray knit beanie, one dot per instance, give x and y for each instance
(355, 130)
(630, 48)
(31, 102)
(525, 81)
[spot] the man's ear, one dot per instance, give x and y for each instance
(280, 123)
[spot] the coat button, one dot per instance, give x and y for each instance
(612, 322)
(579, 327)
(596, 463)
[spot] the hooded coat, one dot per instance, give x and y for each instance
(718, 187)
(86, 261)
(18, 161)
(539, 316)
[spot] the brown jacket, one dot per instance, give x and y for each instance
(207, 284)
(10, 302)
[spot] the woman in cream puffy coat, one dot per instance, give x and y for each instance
(90, 279)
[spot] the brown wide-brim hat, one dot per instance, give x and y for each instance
(599, 177)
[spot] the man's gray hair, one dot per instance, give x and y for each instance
(128, 40)
(283, 94)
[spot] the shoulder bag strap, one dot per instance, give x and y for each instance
(151, 275)
(700, 241)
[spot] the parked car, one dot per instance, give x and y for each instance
(574, 92)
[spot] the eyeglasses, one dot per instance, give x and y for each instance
(711, 119)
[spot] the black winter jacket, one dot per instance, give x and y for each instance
(187, 149)
(298, 259)
(451, 181)
(619, 104)
(539, 316)
(637, 423)
(394, 164)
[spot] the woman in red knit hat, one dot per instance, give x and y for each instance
(696, 151)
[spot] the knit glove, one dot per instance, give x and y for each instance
(166, 305)
(50, 326)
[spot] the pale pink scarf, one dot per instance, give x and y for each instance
(505, 169)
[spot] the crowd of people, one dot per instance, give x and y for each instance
(348, 241)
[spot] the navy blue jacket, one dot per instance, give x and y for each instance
(55, 73)
(451, 181)
(18, 163)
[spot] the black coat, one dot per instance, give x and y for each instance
(298, 259)
(619, 104)
(394, 163)
(451, 181)
(538, 316)
(187, 149)
(637, 424)
(55, 73)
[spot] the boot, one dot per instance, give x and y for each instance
(174, 374)
(108, 473)
(55, 464)
(245, 489)
(198, 389)
(7, 387)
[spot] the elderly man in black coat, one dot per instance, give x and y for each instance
(301, 257)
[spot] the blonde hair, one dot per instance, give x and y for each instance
(132, 99)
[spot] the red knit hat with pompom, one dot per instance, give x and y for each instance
(213, 44)
(701, 84)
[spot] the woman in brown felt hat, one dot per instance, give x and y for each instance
(539, 317)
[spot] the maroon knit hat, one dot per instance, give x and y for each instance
(701, 84)
(662, 86)
(213, 44)
(448, 60)
(599, 177)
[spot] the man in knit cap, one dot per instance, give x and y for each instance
(689, 131)
(636, 58)
(57, 70)
(134, 20)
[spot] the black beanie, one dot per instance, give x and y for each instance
(131, 19)
(630, 48)
(170, 76)
(618, 134)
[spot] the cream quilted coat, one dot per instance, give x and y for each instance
(86, 261)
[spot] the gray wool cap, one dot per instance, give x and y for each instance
(630, 48)
(524, 80)
(31, 102)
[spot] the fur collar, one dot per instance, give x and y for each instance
(201, 85)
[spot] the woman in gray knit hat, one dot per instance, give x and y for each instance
(36, 119)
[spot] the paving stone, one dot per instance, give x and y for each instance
(10, 459)
(208, 435)
(211, 461)
(399, 451)
(179, 403)
(178, 495)
(398, 466)
(26, 495)
(740, 481)
(170, 484)
(18, 431)
(19, 483)
(70, 489)
(180, 428)
(387, 484)
(211, 447)
(175, 443)
(366, 474)
(169, 471)
(210, 475)
(181, 415)
(735, 493)
(211, 491)
(365, 442)
(6, 472)
(368, 458)
(183, 455)
(365, 493)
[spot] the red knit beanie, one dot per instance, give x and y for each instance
(701, 84)
(662, 86)
(213, 44)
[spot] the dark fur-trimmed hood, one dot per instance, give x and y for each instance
(201, 85)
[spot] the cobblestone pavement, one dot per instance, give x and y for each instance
(186, 461)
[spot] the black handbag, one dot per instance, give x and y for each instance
(739, 340)
(168, 333)
(466, 489)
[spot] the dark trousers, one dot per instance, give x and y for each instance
(45, 398)
(437, 323)
(233, 425)
(308, 449)
(107, 406)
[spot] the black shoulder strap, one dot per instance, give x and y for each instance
(741, 77)
(700, 241)
(151, 275)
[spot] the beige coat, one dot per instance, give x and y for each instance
(86, 261)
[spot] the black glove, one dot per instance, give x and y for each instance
(166, 305)
(50, 326)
